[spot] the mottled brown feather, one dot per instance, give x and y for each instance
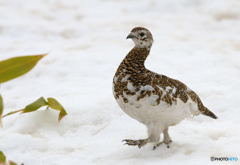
(133, 67)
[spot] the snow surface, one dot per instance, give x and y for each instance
(196, 41)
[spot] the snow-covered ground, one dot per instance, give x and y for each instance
(196, 41)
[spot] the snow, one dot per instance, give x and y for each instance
(195, 41)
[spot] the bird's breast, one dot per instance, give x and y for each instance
(143, 104)
(147, 111)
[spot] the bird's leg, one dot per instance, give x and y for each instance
(166, 139)
(139, 143)
(153, 136)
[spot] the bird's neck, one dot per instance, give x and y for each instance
(137, 57)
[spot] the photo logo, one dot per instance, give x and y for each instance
(223, 158)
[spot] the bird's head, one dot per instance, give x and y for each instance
(141, 37)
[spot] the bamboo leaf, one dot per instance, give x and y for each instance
(17, 66)
(54, 104)
(13, 112)
(1, 109)
(1, 105)
(35, 105)
(2, 158)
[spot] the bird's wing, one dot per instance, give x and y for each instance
(170, 89)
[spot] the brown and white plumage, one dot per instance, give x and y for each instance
(153, 99)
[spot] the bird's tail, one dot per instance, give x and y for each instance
(207, 112)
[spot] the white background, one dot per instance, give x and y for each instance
(196, 41)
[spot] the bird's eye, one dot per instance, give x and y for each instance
(142, 34)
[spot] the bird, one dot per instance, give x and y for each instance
(153, 99)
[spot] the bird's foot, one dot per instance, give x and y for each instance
(167, 142)
(138, 143)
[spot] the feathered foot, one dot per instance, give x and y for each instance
(166, 139)
(138, 143)
(163, 142)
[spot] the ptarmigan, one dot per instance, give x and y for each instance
(153, 99)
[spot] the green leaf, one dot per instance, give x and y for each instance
(2, 158)
(17, 66)
(12, 163)
(1, 105)
(35, 105)
(51, 102)
(1, 109)
(10, 113)
(54, 104)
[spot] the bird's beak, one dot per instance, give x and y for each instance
(131, 35)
